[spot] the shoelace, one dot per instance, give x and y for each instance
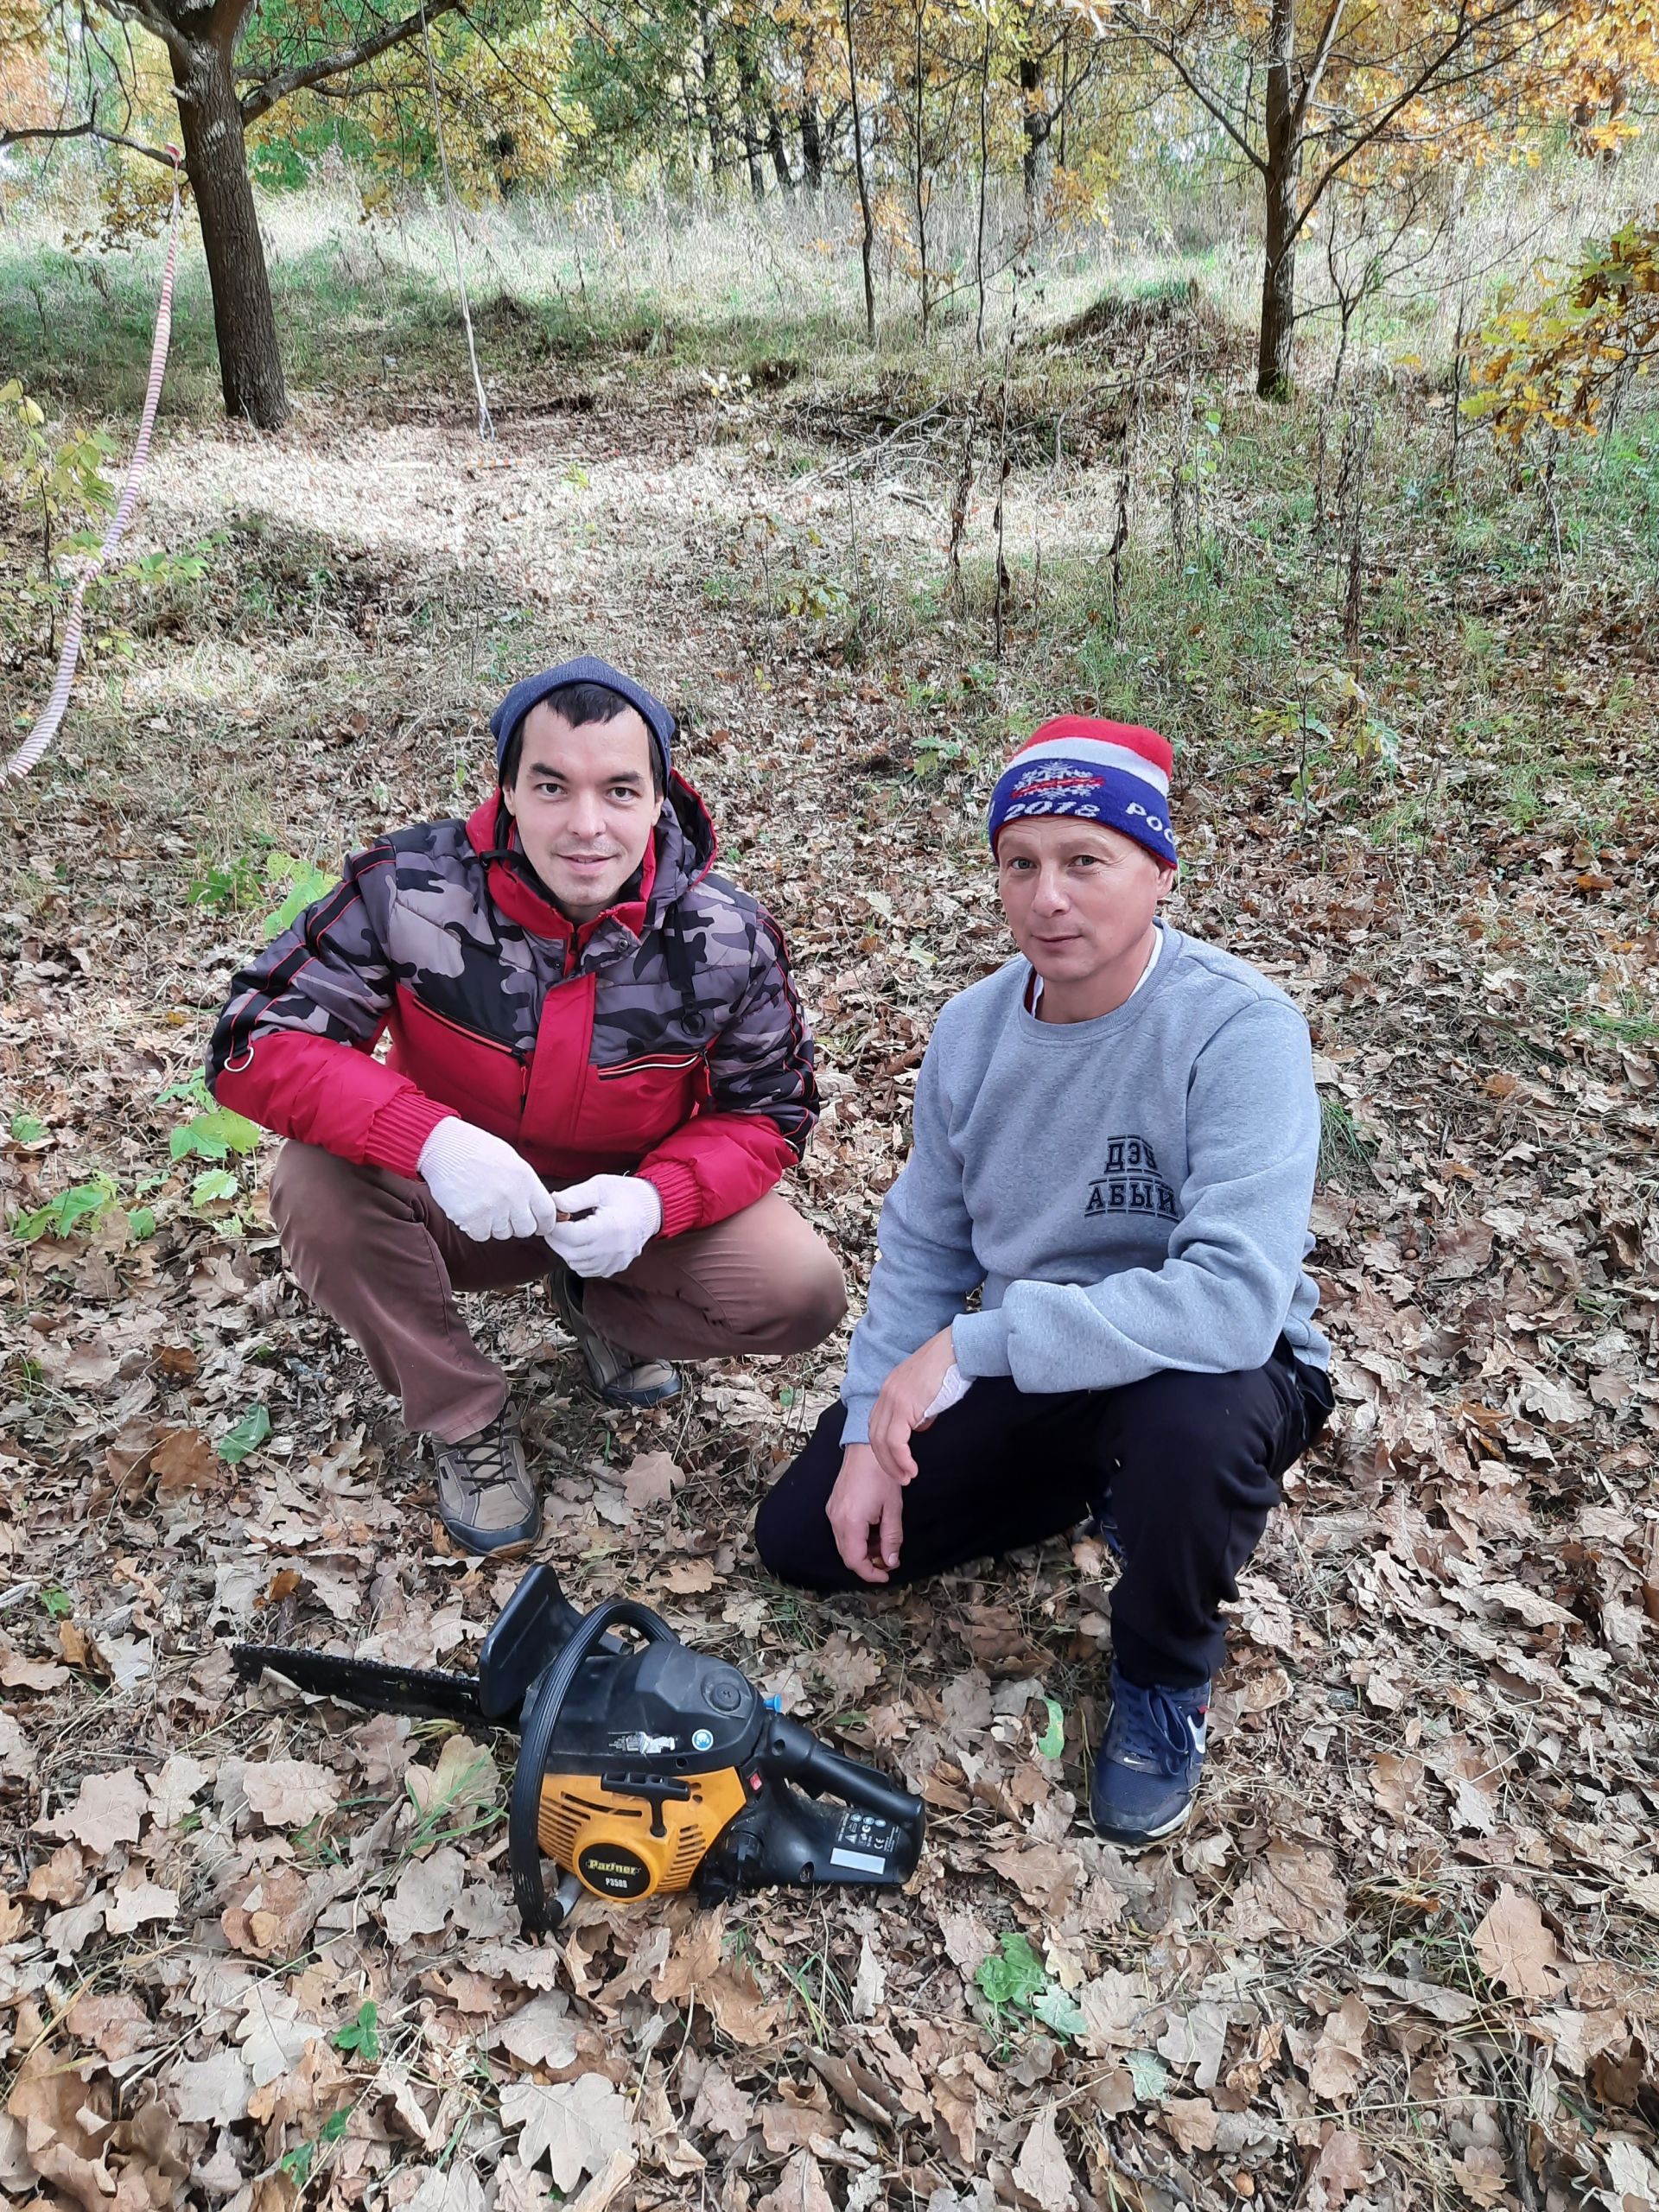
(1149, 1729)
(484, 1462)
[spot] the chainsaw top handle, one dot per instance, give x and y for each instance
(523, 1843)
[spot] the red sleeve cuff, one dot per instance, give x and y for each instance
(400, 1129)
(677, 1186)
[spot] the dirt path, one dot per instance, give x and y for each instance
(1405, 1954)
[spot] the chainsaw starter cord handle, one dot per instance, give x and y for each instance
(524, 1839)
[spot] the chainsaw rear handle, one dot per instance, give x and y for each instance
(794, 1754)
(523, 1840)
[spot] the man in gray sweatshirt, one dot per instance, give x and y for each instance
(1114, 1146)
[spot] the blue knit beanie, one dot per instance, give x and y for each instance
(509, 716)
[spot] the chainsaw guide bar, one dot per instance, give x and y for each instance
(425, 1693)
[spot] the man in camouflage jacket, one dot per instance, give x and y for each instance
(598, 1070)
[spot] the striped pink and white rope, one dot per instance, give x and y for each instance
(51, 716)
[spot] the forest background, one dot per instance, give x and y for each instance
(873, 380)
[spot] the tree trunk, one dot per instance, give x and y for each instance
(711, 93)
(1037, 123)
(1273, 377)
(215, 160)
(984, 171)
(1065, 87)
(919, 175)
(812, 146)
(867, 242)
(777, 148)
(752, 159)
(748, 94)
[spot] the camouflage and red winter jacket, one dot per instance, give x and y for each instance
(665, 1036)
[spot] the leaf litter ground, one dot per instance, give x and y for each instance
(256, 1952)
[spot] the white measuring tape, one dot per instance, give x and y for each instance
(52, 714)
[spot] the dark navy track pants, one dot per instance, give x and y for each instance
(1186, 1465)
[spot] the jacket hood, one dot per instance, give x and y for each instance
(587, 668)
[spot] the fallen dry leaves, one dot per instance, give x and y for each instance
(1405, 1954)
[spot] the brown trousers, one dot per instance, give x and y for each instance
(373, 1251)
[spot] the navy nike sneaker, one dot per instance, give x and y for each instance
(1104, 1525)
(1147, 1767)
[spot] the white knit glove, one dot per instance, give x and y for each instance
(482, 1184)
(621, 1214)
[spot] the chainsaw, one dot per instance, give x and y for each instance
(641, 1769)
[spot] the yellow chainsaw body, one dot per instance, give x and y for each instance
(623, 1847)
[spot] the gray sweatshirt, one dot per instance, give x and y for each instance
(1128, 1194)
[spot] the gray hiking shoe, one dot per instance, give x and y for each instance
(486, 1499)
(619, 1376)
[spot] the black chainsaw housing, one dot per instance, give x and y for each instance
(655, 1705)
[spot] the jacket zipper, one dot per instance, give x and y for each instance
(477, 1036)
(648, 1064)
(521, 1055)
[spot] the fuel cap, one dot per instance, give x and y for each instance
(724, 1692)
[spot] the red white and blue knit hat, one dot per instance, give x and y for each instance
(1111, 772)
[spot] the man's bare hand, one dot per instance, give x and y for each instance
(865, 1510)
(902, 1407)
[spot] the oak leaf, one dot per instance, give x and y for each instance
(1337, 2062)
(1340, 2169)
(1196, 2037)
(721, 2106)
(1042, 2171)
(64, 2129)
(1190, 2122)
(214, 2089)
(740, 2010)
(800, 2188)
(110, 1809)
(17, 1673)
(426, 1893)
(172, 1790)
(1516, 1949)
(1043, 1874)
(183, 1462)
(576, 2126)
(687, 1577)
(1290, 1893)
(272, 2035)
(132, 1903)
(453, 2188)
(651, 1479)
(58, 1880)
(16, 1752)
(849, 1669)
(869, 1984)
(289, 1793)
(116, 2022)
(541, 2033)
(1111, 2003)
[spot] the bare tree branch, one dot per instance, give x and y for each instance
(1315, 67)
(1430, 77)
(267, 91)
(1168, 52)
(88, 129)
(154, 20)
